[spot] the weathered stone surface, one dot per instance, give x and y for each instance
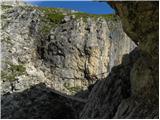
(66, 51)
(85, 50)
(131, 89)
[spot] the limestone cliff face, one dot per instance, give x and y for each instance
(79, 51)
(65, 49)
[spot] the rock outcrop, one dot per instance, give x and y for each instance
(65, 49)
(141, 24)
(131, 90)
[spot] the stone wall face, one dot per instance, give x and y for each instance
(81, 51)
(74, 53)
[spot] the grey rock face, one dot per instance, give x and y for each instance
(18, 49)
(85, 51)
(72, 54)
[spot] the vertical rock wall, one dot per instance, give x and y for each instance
(65, 50)
(80, 52)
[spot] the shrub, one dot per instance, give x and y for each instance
(72, 89)
(12, 72)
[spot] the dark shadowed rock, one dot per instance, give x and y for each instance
(39, 102)
(131, 90)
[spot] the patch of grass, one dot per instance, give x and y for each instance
(56, 17)
(3, 16)
(85, 16)
(3, 7)
(45, 28)
(52, 17)
(12, 72)
(53, 14)
(72, 89)
(7, 40)
(50, 20)
(47, 10)
(75, 89)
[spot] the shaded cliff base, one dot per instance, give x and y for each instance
(40, 102)
(115, 96)
(109, 98)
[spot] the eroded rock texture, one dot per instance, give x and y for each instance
(65, 49)
(131, 89)
(80, 52)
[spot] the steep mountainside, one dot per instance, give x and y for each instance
(65, 49)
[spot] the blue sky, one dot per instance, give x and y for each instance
(91, 7)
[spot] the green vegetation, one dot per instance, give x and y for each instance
(49, 10)
(85, 16)
(3, 7)
(3, 16)
(52, 14)
(45, 28)
(52, 20)
(56, 17)
(57, 13)
(52, 17)
(12, 72)
(7, 40)
(72, 89)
